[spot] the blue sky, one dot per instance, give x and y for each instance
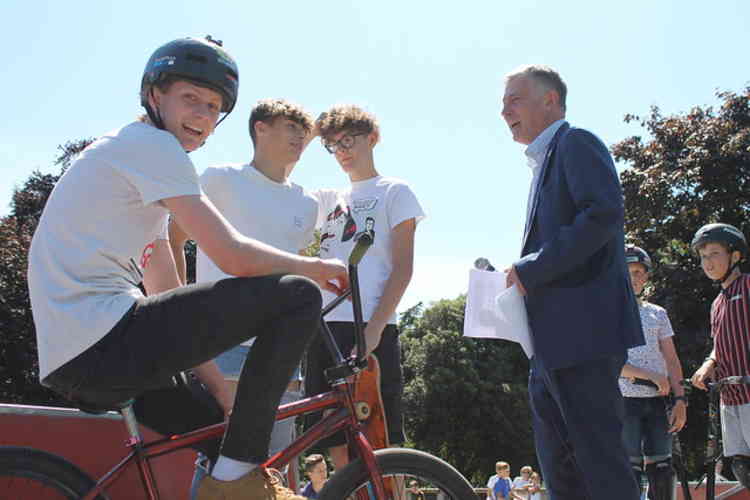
(431, 71)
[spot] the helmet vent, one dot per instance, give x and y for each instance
(197, 58)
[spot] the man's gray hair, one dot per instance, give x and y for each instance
(544, 76)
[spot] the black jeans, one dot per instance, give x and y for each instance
(388, 353)
(177, 330)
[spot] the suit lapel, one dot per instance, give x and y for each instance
(540, 182)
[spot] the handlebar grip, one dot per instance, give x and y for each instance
(363, 243)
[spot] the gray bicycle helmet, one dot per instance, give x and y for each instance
(634, 254)
(722, 233)
(203, 61)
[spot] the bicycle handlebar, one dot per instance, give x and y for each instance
(733, 380)
(714, 386)
(345, 366)
(364, 242)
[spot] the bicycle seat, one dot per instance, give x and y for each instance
(99, 409)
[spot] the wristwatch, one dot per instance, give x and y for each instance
(682, 398)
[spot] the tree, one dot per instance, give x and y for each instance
(692, 170)
(19, 370)
(465, 399)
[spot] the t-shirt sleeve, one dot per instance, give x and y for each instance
(665, 326)
(403, 205)
(164, 230)
(158, 167)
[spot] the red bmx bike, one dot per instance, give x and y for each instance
(352, 406)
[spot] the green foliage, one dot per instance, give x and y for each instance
(693, 169)
(465, 400)
(19, 370)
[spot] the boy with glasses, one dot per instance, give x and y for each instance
(387, 209)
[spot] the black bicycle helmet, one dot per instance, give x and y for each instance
(203, 61)
(634, 254)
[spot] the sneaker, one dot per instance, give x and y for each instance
(255, 485)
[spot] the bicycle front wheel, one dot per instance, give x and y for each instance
(409, 471)
(29, 474)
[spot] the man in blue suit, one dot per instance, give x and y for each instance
(582, 311)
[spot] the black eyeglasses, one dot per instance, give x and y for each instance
(345, 143)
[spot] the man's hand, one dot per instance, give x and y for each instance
(513, 279)
(329, 274)
(704, 373)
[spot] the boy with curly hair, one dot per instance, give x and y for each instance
(387, 209)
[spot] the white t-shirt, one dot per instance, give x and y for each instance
(96, 235)
(376, 205)
(279, 214)
(656, 326)
(520, 482)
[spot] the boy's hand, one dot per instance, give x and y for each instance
(704, 373)
(225, 395)
(661, 381)
(677, 417)
(329, 274)
(373, 334)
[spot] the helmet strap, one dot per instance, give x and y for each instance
(731, 269)
(154, 115)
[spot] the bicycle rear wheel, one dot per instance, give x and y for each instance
(29, 474)
(432, 475)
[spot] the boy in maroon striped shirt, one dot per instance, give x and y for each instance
(721, 248)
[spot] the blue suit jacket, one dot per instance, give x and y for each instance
(579, 299)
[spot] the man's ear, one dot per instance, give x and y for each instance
(551, 99)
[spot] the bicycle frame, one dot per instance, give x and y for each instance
(340, 399)
(713, 447)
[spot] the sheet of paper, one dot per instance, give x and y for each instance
(494, 311)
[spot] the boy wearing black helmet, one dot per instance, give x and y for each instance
(647, 428)
(721, 248)
(101, 342)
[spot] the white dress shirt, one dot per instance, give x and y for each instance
(535, 155)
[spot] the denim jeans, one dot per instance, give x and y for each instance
(177, 330)
(645, 430)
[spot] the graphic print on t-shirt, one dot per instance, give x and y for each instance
(339, 224)
(369, 229)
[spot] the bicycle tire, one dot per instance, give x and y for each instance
(399, 461)
(31, 474)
